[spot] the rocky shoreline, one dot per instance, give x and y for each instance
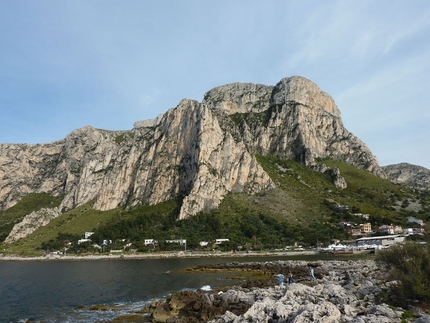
(332, 297)
(155, 255)
(364, 297)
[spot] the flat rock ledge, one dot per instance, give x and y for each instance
(331, 298)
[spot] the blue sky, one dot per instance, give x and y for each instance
(68, 64)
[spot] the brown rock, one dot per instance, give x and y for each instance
(161, 313)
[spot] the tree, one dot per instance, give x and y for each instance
(409, 264)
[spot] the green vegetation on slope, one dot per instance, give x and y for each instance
(301, 209)
(410, 265)
(385, 202)
(31, 202)
(74, 222)
(245, 230)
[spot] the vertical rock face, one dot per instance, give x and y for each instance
(29, 168)
(294, 119)
(184, 153)
(196, 151)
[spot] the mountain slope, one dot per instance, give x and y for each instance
(407, 174)
(302, 208)
(198, 152)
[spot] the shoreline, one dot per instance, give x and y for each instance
(330, 296)
(158, 255)
(343, 291)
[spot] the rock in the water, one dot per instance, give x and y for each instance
(327, 300)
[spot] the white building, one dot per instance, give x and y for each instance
(408, 231)
(181, 242)
(83, 240)
(380, 241)
(415, 220)
(220, 241)
(150, 242)
(390, 229)
(88, 234)
(361, 215)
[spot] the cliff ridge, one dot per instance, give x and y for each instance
(197, 151)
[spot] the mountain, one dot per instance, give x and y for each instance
(197, 152)
(414, 176)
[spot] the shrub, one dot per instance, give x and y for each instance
(407, 315)
(410, 265)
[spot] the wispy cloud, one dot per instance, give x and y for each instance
(109, 64)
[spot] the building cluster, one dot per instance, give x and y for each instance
(150, 243)
(365, 229)
(367, 237)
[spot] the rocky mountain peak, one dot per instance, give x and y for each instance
(248, 97)
(239, 98)
(293, 120)
(299, 90)
(196, 151)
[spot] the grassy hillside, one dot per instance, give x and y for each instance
(301, 209)
(74, 223)
(31, 202)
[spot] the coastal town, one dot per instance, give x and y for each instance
(366, 240)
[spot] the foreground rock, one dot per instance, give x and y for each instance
(332, 298)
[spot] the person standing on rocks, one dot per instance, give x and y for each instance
(290, 278)
(281, 279)
(346, 278)
(311, 273)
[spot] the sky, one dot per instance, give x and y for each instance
(68, 64)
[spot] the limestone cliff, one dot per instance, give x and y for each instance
(196, 151)
(294, 120)
(410, 175)
(31, 223)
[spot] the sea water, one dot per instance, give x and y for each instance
(65, 291)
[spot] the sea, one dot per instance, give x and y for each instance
(102, 290)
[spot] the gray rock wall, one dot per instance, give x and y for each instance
(294, 119)
(411, 175)
(197, 151)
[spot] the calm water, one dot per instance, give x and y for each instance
(56, 291)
